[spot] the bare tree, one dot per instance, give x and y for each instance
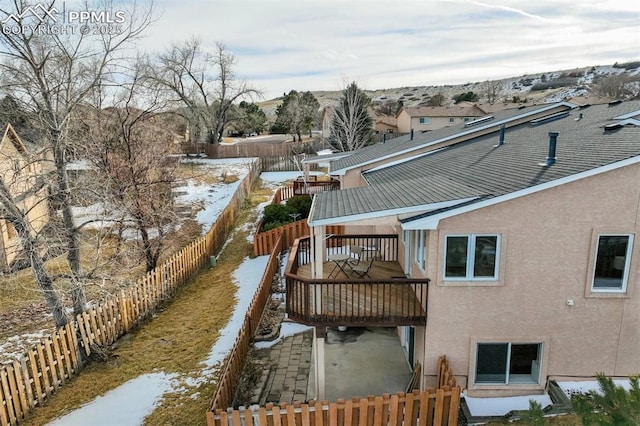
(205, 84)
(437, 100)
(492, 90)
(53, 73)
(23, 193)
(352, 125)
(619, 86)
(130, 152)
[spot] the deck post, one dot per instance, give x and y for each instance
(318, 251)
(319, 334)
(306, 174)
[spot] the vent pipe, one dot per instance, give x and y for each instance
(551, 157)
(411, 134)
(384, 138)
(501, 140)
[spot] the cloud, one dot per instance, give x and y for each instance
(282, 45)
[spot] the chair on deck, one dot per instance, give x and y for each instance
(356, 254)
(362, 268)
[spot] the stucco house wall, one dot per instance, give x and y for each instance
(547, 253)
(18, 172)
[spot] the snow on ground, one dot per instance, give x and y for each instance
(129, 403)
(500, 406)
(281, 177)
(286, 329)
(213, 198)
(126, 405)
(15, 346)
(247, 276)
(204, 197)
(578, 387)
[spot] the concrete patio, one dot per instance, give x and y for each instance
(358, 362)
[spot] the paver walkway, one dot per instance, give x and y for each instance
(285, 377)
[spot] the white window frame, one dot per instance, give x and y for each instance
(508, 363)
(471, 243)
(424, 120)
(627, 265)
(452, 119)
(420, 249)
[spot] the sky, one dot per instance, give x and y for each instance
(282, 45)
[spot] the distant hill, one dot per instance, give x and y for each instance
(538, 88)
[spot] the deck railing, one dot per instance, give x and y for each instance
(380, 301)
(314, 185)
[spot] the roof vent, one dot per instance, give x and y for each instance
(579, 117)
(501, 140)
(551, 157)
(478, 121)
(548, 118)
(616, 102)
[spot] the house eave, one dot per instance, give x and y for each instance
(384, 213)
(432, 222)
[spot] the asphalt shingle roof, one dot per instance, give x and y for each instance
(397, 145)
(479, 168)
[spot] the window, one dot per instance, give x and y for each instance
(468, 119)
(471, 257)
(420, 248)
(508, 363)
(425, 120)
(452, 120)
(612, 263)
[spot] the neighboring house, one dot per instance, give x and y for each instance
(18, 172)
(526, 239)
(381, 123)
(385, 124)
(422, 119)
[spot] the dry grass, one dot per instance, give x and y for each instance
(176, 341)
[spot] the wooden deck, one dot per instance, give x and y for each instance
(380, 270)
(385, 298)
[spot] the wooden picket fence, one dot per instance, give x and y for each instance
(231, 371)
(431, 407)
(264, 242)
(444, 374)
(27, 383)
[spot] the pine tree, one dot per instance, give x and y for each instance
(613, 405)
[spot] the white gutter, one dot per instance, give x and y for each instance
(431, 222)
(471, 130)
(383, 213)
(628, 115)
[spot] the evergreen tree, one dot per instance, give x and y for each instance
(613, 405)
(297, 113)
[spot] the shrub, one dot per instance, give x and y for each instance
(300, 204)
(277, 213)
